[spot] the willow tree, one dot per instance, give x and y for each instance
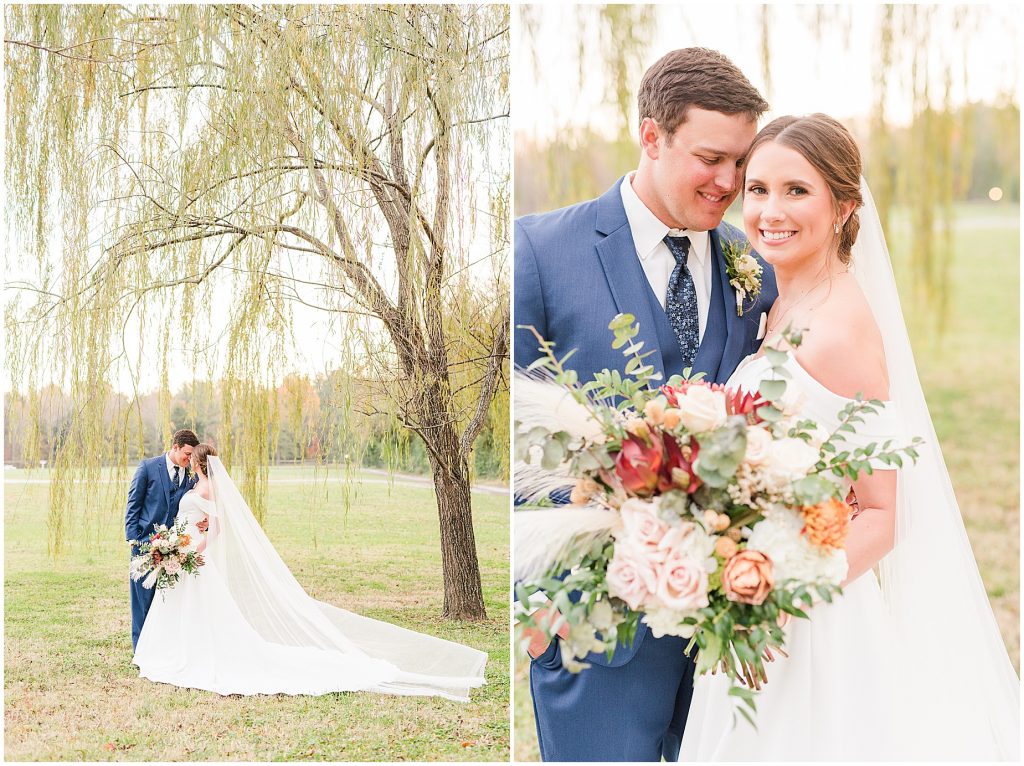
(190, 163)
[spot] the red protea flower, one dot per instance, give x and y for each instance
(677, 470)
(637, 465)
(740, 402)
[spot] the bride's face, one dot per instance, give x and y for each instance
(788, 210)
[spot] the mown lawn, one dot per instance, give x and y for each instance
(71, 692)
(971, 377)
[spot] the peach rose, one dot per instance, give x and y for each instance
(682, 583)
(747, 577)
(826, 524)
(671, 418)
(630, 576)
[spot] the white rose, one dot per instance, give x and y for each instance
(759, 444)
(702, 409)
(666, 622)
(791, 459)
(171, 565)
(747, 266)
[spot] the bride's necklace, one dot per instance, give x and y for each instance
(778, 321)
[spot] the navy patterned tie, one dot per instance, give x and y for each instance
(681, 301)
(177, 478)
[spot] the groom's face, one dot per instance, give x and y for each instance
(694, 172)
(181, 454)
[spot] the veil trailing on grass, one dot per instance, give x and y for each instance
(281, 612)
(962, 692)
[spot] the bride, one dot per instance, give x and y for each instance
(244, 625)
(909, 665)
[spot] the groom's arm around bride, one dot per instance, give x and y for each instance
(653, 246)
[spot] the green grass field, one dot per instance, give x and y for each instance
(971, 379)
(71, 692)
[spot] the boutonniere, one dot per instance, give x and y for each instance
(744, 272)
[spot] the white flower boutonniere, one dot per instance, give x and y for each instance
(744, 272)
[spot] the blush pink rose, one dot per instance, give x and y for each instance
(630, 576)
(643, 529)
(682, 583)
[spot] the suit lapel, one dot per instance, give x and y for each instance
(737, 330)
(166, 479)
(625, 276)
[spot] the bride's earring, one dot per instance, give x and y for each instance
(836, 226)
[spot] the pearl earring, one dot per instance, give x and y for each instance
(836, 227)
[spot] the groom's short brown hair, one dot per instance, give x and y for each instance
(183, 437)
(697, 77)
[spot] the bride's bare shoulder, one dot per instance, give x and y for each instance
(843, 347)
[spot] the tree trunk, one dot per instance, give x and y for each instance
(463, 595)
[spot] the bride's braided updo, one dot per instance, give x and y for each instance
(200, 455)
(830, 148)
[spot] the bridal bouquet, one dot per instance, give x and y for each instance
(705, 512)
(165, 556)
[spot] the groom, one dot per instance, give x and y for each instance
(158, 486)
(651, 246)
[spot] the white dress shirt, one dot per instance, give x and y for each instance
(649, 238)
(170, 469)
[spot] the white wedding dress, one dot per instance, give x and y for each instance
(910, 666)
(244, 625)
(833, 697)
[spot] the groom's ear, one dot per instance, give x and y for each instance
(650, 132)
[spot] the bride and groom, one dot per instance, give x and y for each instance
(875, 675)
(244, 624)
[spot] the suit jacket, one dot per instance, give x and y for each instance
(576, 268)
(152, 498)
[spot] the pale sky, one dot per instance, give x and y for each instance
(833, 74)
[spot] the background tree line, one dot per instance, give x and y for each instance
(303, 428)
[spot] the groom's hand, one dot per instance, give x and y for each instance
(539, 642)
(203, 525)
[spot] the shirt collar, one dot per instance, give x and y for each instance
(648, 231)
(170, 464)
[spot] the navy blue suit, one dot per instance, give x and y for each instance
(152, 500)
(575, 269)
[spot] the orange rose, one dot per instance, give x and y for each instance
(826, 524)
(747, 577)
(184, 541)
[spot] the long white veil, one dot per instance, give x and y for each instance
(281, 612)
(957, 679)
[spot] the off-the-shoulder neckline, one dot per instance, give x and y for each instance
(792, 362)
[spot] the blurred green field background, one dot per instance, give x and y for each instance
(72, 694)
(971, 377)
